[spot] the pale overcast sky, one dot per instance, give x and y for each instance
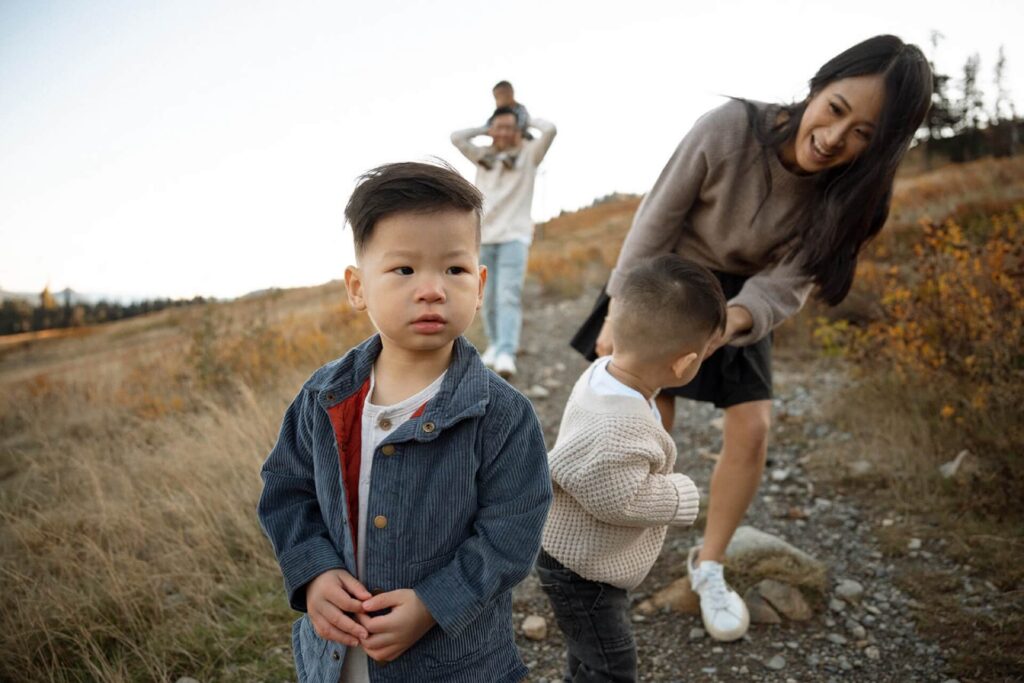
(192, 147)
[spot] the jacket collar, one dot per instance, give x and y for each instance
(463, 393)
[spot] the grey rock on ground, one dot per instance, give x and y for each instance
(760, 611)
(849, 590)
(786, 599)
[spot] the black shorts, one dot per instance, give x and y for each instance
(730, 376)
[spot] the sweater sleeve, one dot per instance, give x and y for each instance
(772, 296)
(663, 211)
(618, 487)
(540, 146)
(463, 141)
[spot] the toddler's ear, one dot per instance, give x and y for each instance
(354, 287)
(681, 364)
(480, 291)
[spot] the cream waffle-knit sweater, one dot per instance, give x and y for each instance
(615, 489)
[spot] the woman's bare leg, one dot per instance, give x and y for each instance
(737, 474)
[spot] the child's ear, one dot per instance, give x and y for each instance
(480, 291)
(354, 287)
(681, 364)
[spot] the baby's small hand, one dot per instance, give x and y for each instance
(328, 598)
(398, 630)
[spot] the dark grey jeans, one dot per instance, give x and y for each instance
(594, 618)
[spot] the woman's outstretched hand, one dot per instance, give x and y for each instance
(603, 345)
(737, 321)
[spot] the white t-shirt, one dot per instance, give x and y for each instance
(378, 423)
(602, 382)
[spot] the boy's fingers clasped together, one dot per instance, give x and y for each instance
(342, 610)
(406, 620)
(330, 599)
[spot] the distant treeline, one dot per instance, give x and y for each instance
(18, 315)
(960, 125)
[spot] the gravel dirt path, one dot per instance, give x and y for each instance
(875, 640)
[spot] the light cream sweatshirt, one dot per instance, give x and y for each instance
(701, 208)
(508, 192)
(615, 488)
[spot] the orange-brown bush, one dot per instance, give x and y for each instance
(950, 343)
(577, 250)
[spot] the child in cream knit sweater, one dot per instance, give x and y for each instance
(612, 466)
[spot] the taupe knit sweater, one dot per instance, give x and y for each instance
(701, 208)
(615, 489)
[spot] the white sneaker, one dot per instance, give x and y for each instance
(505, 365)
(489, 355)
(724, 613)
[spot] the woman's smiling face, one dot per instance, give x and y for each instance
(837, 124)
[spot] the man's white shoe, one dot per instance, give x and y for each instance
(724, 613)
(489, 355)
(505, 365)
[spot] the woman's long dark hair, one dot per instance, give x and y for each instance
(852, 203)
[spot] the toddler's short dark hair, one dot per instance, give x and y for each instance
(408, 187)
(668, 305)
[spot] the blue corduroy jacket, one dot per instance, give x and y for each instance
(465, 489)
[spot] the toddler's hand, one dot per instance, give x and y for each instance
(328, 597)
(395, 632)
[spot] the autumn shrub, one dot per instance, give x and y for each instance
(948, 344)
(565, 273)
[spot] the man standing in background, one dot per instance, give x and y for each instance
(505, 174)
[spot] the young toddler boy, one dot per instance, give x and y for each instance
(407, 491)
(505, 98)
(612, 465)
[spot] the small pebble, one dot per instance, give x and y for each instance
(776, 663)
(696, 633)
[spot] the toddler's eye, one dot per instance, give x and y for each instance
(457, 270)
(403, 270)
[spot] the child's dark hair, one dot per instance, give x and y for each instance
(502, 84)
(500, 111)
(408, 187)
(668, 305)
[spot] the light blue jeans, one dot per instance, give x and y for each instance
(502, 310)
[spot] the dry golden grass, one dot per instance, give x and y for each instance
(579, 249)
(129, 463)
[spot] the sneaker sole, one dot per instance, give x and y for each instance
(728, 636)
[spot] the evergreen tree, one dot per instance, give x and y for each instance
(941, 117)
(971, 110)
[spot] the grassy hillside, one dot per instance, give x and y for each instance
(129, 458)
(129, 452)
